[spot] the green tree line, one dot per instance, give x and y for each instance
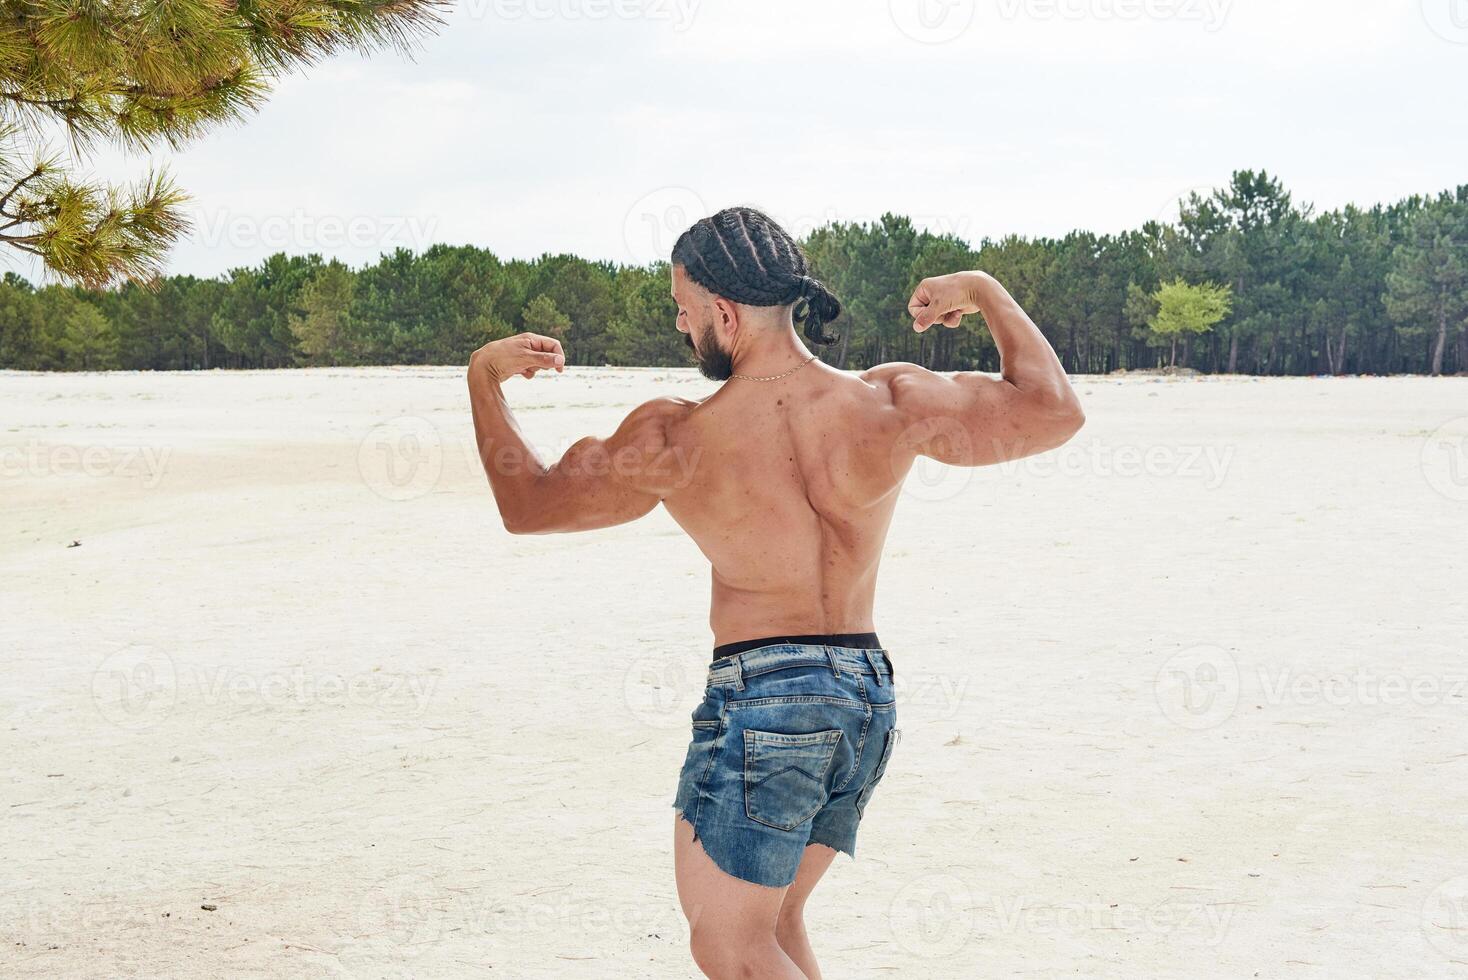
(1378, 291)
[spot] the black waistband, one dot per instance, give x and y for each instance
(861, 641)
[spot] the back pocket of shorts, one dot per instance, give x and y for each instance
(785, 776)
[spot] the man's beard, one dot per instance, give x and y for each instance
(714, 362)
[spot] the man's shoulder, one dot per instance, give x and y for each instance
(649, 446)
(663, 411)
(895, 378)
(669, 405)
(651, 425)
(894, 372)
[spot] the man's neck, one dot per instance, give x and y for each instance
(770, 354)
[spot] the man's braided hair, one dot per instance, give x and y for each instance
(742, 255)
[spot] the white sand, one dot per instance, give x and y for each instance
(1205, 719)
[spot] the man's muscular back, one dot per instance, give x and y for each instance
(790, 499)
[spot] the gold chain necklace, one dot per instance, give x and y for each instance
(776, 377)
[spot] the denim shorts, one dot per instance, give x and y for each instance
(788, 746)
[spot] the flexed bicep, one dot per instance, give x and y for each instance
(969, 418)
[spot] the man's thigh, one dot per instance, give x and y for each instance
(706, 890)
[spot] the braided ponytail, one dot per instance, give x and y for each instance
(818, 307)
(744, 256)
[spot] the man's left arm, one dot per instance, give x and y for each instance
(597, 483)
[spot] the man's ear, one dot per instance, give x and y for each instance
(726, 320)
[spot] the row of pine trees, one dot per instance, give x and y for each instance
(1380, 290)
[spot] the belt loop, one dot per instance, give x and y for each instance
(831, 656)
(739, 672)
(872, 662)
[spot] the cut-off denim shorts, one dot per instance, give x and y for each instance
(788, 746)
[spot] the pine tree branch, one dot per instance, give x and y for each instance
(17, 186)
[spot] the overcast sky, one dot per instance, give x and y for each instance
(602, 127)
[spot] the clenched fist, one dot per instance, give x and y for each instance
(945, 299)
(522, 354)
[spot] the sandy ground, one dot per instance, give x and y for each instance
(1186, 699)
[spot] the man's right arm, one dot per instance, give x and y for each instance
(970, 418)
